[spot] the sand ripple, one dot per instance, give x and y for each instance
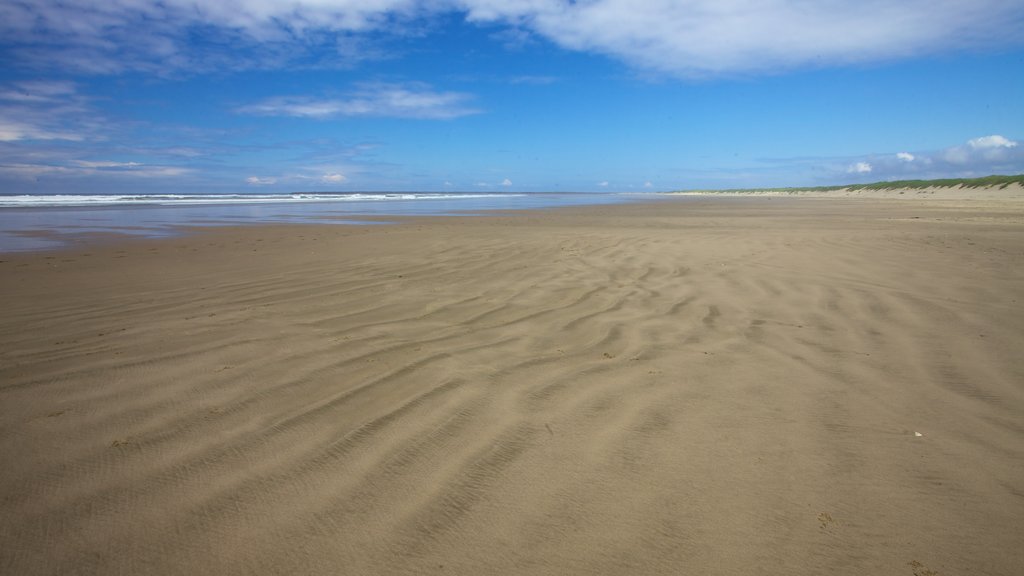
(685, 387)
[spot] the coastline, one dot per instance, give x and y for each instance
(1009, 193)
(30, 223)
(785, 385)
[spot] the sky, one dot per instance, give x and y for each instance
(241, 96)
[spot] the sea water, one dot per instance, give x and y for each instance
(41, 222)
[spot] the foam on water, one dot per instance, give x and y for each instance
(30, 200)
(41, 222)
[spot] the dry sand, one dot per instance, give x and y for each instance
(733, 386)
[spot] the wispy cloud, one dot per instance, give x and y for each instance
(13, 130)
(49, 131)
(711, 37)
(307, 174)
(157, 36)
(676, 37)
(1001, 155)
(533, 80)
(30, 171)
(53, 138)
(106, 164)
(37, 91)
(41, 110)
(333, 178)
(984, 151)
(379, 100)
(992, 154)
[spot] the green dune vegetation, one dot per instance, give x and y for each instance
(994, 181)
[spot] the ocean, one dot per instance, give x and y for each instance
(43, 222)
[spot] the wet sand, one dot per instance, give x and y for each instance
(724, 386)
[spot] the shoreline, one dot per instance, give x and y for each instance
(51, 237)
(799, 385)
(1008, 198)
(39, 227)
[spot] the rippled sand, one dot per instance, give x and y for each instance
(734, 386)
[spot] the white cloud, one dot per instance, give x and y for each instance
(677, 37)
(980, 156)
(506, 182)
(380, 100)
(648, 184)
(45, 110)
(38, 91)
(991, 150)
(106, 164)
(993, 141)
(159, 172)
(260, 181)
(30, 171)
(706, 37)
(156, 35)
(603, 184)
(534, 80)
(13, 130)
(326, 173)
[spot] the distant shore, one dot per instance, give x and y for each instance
(987, 188)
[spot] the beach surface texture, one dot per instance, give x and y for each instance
(759, 385)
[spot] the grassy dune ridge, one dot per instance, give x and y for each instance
(993, 181)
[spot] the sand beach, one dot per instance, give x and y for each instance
(750, 385)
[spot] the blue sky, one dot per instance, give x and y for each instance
(527, 95)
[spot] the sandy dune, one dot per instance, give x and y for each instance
(734, 386)
(949, 194)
